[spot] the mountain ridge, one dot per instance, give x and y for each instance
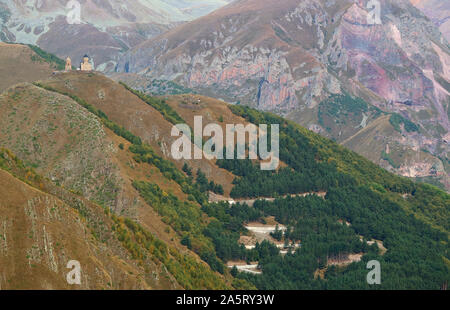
(201, 238)
(107, 27)
(290, 58)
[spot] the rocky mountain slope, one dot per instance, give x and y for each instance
(79, 157)
(96, 183)
(44, 227)
(107, 28)
(72, 149)
(40, 234)
(291, 57)
(438, 12)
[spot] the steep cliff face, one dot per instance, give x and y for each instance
(290, 56)
(247, 55)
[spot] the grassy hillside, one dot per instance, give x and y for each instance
(103, 151)
(20, 64)
(56, 225)
(60, 137)
(43, 56)
(372, 200)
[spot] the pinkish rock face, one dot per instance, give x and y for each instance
(380, 64)
(292, 55)
(438, 11)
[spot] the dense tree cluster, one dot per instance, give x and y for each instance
(253, 182)
(204, 185)
(415, 250)
(363, 195)
(58, 63)
(397, 120)
(307, 152)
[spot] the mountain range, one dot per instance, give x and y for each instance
(107, 28)
(380, 89)
(87, 175)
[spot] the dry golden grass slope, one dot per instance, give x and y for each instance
(40, 233)
(18, 63)
(87, 174)
(70, 146)
(43, 226)
(141, 119)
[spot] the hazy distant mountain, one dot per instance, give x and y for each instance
(108, 27)
(290, 56)
(192, 9)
